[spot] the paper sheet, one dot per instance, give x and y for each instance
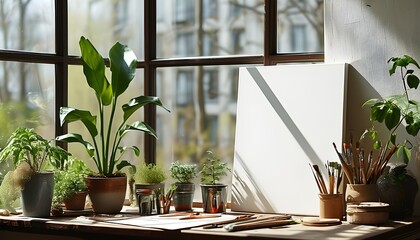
(171, 223)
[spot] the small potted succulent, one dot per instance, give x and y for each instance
(214, 194)
(184, 192)
(70, 186)
(150, 177)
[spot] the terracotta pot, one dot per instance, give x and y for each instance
(107, 194)
(331, 206)
(76, 201)
(361, 193)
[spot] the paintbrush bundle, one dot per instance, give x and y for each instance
(335, 176)
(362, 168)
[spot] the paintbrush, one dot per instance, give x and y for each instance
(316, 179)
(345, 166)
(321, 180)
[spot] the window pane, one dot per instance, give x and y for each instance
(192, 128)
(27, 25)
(106, 21)
(81, 96)
(27, 98)
(225, 28)
(300, 26)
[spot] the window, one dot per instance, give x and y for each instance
(196, 80)
(300, 26)
(184, 88)
(210, 43)
(210, 9)
(185, 44)
(184, 11)
(211, 86)
(299, 38)
(238, 41)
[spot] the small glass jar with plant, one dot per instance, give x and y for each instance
(214, 194)
(185, 188)
(150, 176)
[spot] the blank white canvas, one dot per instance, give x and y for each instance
(287, 117)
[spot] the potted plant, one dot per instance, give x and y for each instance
(150, 178)
(214, 194)
(107, 188)
(33, 179)
(70, 186)
(184, 192)
(394, 112)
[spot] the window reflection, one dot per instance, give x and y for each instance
(190, 32)
(27, 25)
(27, 98)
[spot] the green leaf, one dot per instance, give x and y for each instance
(404, 153)
(123, 164)
(94, 70)
(68, 115)
(393, 68)
(138, 126)
(379, 111)
(392, 117)
(135, 103)
(123, 67)
(413, 128)
(74, 137)
(409, 119)
(371, 102)
(377, 145)
(373, 134)
(413, 81)
(411, 60)
(393, 138)
(135, 150)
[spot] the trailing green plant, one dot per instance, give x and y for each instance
(70, 181)
(397, 110)
(183, 173)
(213, 169)
(105, 147)
(150, 173)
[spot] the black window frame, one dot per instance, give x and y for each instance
(62, 60)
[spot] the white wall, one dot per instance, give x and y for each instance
(365, 34)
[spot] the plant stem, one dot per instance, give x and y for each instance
(405, 87)
(108, 136)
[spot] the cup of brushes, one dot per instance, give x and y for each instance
(362, 171)
(330, 199)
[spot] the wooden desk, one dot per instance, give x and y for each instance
(17, 227)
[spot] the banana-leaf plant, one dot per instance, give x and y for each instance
(104, 146)
(397, 110)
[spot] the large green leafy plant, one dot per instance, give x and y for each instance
(397, 110)
(104, 146)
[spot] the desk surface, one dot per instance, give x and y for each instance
(73, 228)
